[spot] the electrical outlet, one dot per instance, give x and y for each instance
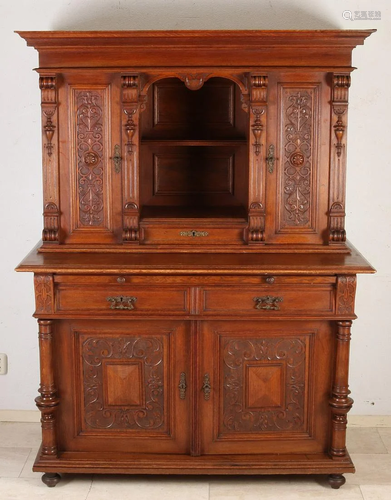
(3, 364)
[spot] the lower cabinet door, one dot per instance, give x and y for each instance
(265, 386)
(122, 386)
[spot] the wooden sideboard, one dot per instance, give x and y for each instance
(194, 287)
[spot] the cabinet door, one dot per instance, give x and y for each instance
(296, 184)
(269, 386)
(90, 133)
(118, 385)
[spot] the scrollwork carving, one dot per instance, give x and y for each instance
(149, 351)
(346, 293)
(90, 157)
(241, 353)
(44, 294)
(298, 129)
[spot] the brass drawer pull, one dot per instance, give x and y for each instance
(182, 385)
(268, 302)
(206, 387)
(194, 234)
(122, 302)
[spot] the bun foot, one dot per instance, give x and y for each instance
(336, 481)
(51, 479)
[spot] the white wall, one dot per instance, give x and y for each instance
(369, 169)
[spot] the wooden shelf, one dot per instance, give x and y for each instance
(191, 212)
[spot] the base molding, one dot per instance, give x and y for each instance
(124, 463)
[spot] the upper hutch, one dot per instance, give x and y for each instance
(194, 286)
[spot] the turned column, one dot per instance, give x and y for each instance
(340, 401)
(48, 401)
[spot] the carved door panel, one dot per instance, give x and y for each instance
(90, 174)
(266, 386)
(297, 166)
(125, 383)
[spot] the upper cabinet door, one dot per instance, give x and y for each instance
(90, 158)
(297, 151)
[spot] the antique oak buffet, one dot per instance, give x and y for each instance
(194, 288)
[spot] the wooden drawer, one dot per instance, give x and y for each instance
(127, 299)
(279, 300)
(192, 234)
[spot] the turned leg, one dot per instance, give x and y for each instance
(51, 479)
(340, 401)
(336, 481)
(48, 400)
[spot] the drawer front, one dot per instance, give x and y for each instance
(193, 235)
(271, 301)
(132, 300)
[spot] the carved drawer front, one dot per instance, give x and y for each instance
(129, 300)
(291, 300)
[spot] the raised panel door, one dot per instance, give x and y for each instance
(298, 139)
(90, 139)
(268, 386)
(119, 386)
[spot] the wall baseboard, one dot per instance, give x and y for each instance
(354, 420)
(20, 415)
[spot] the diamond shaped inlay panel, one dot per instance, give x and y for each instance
(264, 385)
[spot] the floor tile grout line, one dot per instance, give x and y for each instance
(361, 492)
(381, 438)
(89, 489)
(25, 462)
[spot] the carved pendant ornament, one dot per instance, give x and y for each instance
(273, 413)
(97, 413)
(90, 157)
(298, 130)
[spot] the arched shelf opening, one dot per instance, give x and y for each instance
(194, 149)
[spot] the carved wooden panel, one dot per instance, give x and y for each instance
(123, 382)
(193, 172)
(91, 129)
(346, 293)
(44, 293)
(297, 197)
(264, 384)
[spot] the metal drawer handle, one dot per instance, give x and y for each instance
(206, 387)
(182, 385)
(122, 302)
(268, 302)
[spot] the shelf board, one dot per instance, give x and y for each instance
(190, 212)
(194, 142)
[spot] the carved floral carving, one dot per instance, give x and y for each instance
(90, 157)
(298, 132)
(237, 354)
(95, 351)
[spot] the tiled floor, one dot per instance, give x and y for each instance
(370, 449)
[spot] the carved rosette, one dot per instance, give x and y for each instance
(131, 105)
(297, 174)
(48, 400)
(44, 293)
(340, 401)
(90, 157)
(257, 107)
(146, 414)
(51, 223)
(287, 411)
(346, 293)
(340, 93)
